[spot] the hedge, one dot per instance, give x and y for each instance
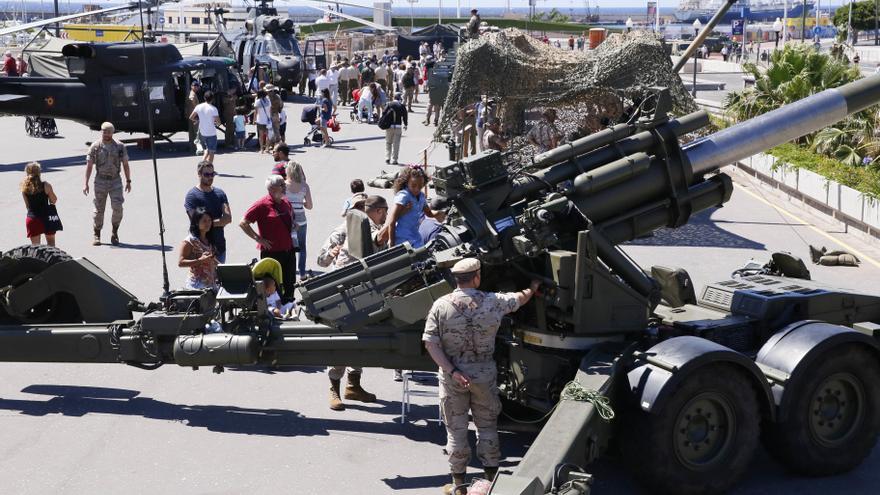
(863, 179)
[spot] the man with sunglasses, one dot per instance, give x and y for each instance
(214, 201)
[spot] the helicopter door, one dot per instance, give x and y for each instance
(249, 53)
(126, 104)
(315, 51)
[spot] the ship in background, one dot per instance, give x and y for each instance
(751, 10)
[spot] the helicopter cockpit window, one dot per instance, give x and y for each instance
(207, 77)
(123, 95)
(282, 46)
(157, 91)
(232, 80)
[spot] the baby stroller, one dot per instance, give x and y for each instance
(355, 98)
(40, 127)
(361, 114)
(310, 115)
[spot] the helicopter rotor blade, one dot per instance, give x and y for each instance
(70, 17)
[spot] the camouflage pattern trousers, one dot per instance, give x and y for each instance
(104, 188)
(481, 399)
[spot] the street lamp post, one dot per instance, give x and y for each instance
(629, 24)
(760, 38)
(412, 22)
(804, 22)
(777, 27)
(697, 26)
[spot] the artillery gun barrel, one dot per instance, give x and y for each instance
(572, 165)
(781, 125)
(567, 151)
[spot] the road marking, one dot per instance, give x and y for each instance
(856, 252)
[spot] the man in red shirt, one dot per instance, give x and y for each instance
(273, 215)
(10, 66)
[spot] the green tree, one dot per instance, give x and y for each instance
(862, 15)
(798, 71)
(556, 16)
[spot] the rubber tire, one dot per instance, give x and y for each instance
(648, 437)
(790, 441)
(32, 260)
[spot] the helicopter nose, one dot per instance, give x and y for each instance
(288, 70)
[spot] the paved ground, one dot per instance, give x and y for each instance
(93, 429)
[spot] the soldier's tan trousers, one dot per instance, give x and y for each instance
(481, 399)
(337, 372)
(104, 188)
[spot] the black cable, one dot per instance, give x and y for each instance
(166, 285)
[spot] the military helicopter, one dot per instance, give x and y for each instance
(268, 41)
(109, 76)
(106, 83)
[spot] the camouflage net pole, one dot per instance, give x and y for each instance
(589, 89)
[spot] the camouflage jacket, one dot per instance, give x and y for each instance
(464, 323)
(336, 238)
(107, 158)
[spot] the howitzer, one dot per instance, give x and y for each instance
(690, 380)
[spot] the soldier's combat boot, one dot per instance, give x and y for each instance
(114, 237)
(490, 472)
(97, 240)
(335, 402)
(453, 488)
(353, 390)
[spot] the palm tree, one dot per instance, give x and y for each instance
(798, 71)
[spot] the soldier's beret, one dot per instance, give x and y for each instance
(466, 265)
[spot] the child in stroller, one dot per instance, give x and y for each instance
(310, 116)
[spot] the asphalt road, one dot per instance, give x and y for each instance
(109, 428)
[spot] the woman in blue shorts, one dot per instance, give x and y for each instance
(327, 111)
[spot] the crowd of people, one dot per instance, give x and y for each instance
(277, 221)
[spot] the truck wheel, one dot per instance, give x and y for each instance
(834, 419)
(29, 262)
(702, 439)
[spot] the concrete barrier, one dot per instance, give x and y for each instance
(851, 207)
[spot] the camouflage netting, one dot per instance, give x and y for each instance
(588, 89)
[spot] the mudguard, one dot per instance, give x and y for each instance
(796, 347)
(659, 369)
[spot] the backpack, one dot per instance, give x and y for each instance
(387, 118)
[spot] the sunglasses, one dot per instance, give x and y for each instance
(208, 175)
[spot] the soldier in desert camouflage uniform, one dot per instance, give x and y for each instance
(376, 210)
(108, 157)
(460, 336)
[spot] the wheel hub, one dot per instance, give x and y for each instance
(836, 409)
(704, 429)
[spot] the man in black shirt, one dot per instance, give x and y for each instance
(396, 118)
(214, 201)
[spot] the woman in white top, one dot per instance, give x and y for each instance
(262, 111)
(365, 104)
(300, 197)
